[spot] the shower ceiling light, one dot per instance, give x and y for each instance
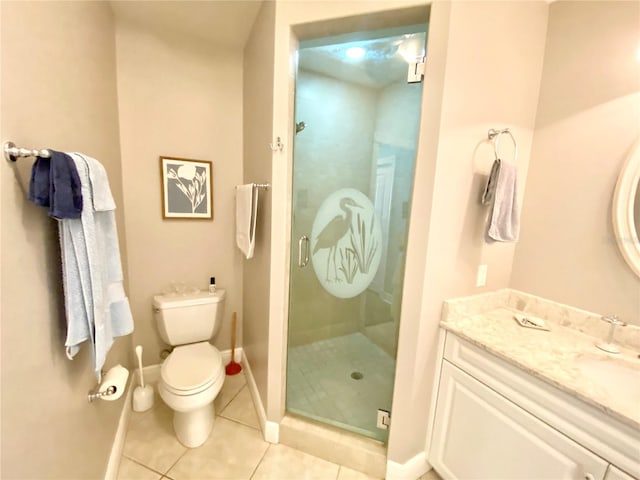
(355, 52)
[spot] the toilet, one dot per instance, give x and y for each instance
(192, 375)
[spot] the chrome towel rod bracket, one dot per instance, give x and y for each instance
(12, 153)
(261, 185)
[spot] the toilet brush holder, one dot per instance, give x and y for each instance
(143, 394)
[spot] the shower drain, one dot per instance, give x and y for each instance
(357, 375)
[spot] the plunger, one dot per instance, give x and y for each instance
(233, 368)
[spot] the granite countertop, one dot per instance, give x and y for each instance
(564, 356)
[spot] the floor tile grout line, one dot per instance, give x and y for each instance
(174, 463)
(255, 469)
(233, 398)
(240, 423)
(141, 464)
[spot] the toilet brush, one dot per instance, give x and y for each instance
(232, 367)
(143, 394)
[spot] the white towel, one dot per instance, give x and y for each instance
(97, 308)
(246, 213)
(505, 219)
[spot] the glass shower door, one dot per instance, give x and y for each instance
(357, 121)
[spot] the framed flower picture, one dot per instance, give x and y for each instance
(187, 188)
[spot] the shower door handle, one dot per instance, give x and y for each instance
(303, 243)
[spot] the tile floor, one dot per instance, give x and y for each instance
(320, 383)
(235, 449)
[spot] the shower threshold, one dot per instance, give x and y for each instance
(334, 445)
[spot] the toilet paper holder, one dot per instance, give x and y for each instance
(96, 395)
(113, 385)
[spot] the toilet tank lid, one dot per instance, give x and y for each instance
(176, 300)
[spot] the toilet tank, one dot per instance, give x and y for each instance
(195, 317)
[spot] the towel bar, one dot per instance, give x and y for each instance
(12, 153)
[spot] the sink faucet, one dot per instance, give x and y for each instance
(608, 345)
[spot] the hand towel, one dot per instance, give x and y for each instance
(505, 219)
(55, 184)
(246, 213)
(490, 189)
(96, 305)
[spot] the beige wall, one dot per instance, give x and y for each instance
(257, 130)
(178, 97)
(58, 91)
(588, 119)
(481, 87)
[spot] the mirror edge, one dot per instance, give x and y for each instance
(623, 206)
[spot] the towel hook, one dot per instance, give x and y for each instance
(494, 135)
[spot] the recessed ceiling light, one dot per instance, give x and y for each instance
(355, 52)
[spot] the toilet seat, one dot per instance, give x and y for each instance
(191, 369)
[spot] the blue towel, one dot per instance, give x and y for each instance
(55, 184)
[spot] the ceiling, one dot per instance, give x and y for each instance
(385, 60)
(220, 23)
(228, 23)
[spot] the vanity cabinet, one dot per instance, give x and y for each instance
(479, 434)
(495, 422)
(616, 474)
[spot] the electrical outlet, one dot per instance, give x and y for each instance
(481, 277)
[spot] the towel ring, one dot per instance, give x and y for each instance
(494, 135)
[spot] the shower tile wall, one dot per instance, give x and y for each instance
(353, 126)
(334, 151)
(317, 373)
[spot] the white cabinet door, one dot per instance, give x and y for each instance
(479, 434)
(616, 474)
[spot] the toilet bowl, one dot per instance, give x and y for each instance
(190, 379)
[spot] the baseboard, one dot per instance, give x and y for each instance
(118, 443)
(226, 355)
(410, 470)
(270, 430)
(151, 374)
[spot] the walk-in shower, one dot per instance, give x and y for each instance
(352, 181)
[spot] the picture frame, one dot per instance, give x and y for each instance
(187, 188)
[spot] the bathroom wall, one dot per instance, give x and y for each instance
(257, 131)
(475, 80)
(178, 96)
(58, 90)
(588, 119)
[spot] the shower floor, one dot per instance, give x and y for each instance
(321, 383)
